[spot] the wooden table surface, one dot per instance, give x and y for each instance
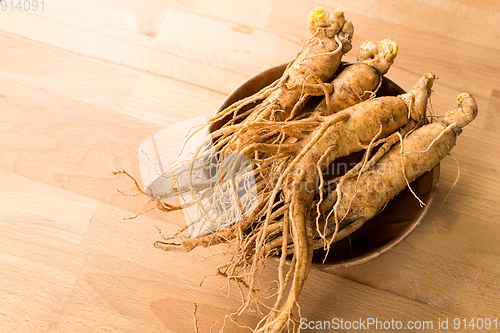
(82, 84)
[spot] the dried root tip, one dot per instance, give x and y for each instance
(346, 36)
(416, 99)
(185, 245)
(379, 55)
(114, 173)
(173, 247)
(465, 112)
(368, 50)
(424, 83)
(320, 18)
(390, 47)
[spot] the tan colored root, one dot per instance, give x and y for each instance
(336, 51)
(312, 90)
(373, 93)
(325, 126)
(270, 148)
(456, 179)
(234, 108)
(448, 129)
(237, 279)
(248, 245)
(195, 321)
(302, 235)
(451, 187)
(402, 152)
(422, 204)
(416, 99)
(262, 94)
(163, 206)
(321, 185)
(285, 310)
(467, 108)
(223, 235)
(356, 171)
(232, 234)
(282, 279)
(139, 214)
(276, 243)
(131, 177)
(187, 245)
(257, 235)
(339, 193)
(342, 28)
(260, 132)
(300, 230)
(389, 142)
(260, 252)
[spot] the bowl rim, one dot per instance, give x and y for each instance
(259, 79)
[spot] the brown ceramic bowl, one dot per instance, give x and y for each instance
(386, 230)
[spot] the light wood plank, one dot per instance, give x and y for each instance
(82, 84)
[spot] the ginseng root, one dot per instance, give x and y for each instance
(365, 196)
(257, 180)
(361, 80)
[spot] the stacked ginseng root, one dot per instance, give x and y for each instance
(289, 149)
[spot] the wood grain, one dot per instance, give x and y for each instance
(82, 84)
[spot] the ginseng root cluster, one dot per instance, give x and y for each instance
(272, 151)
